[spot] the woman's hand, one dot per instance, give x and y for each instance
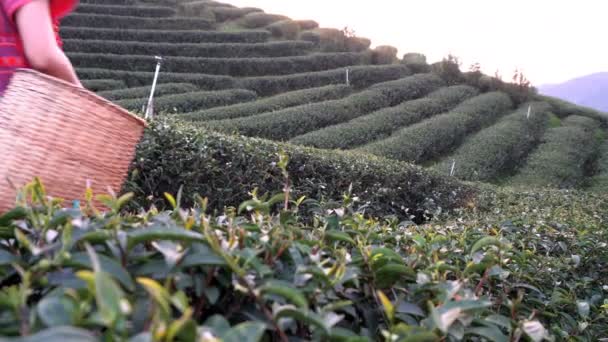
(39, 43)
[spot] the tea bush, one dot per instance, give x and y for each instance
(173, 153)
(307, 24)
(563, 158)
(416, 62)
(332, 40)
(240, 67)
(258, 20)
(134, 22)
(215, 50)
(361, 76)
(380, 124)
(599, 182)
(122, 10)
(501, 148)
(141, 92)
(384, 54)
(165, 36)
(269, 104)
(142, 78)
(189, 102)
(291, 122)
(563, 109)
(223, 14)
(286, 29)
(430, 138)
(103, 84)
(257, 273)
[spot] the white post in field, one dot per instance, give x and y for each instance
(529, 112)
(347, 77)
(150, 106)
(453, 168)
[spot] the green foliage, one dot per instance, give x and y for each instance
(599, 182)
(103, 84)
(416, 62)
(529, 270)
(189, 102)
(307, 24)
(258, 20)
(329, 39)
(223, 14)
(222, 66)
(291, 122)
(563, 109)
(143, 78)
(165, 36)
(269, 104)
(285, 29)
(136, 22)
(381, 123)
(141, 92)
(361, 76)
(215, 50)
(384, 54)
(225, 168)
(121, 10)
(449, 70)
(501, 148)
(563, 158)
(430, 138)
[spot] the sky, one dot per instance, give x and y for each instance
(550, 41)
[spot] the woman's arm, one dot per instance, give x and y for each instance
(40, 46)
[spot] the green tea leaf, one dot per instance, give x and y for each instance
(161, 233)
(56, 311)
(388, 274)
(286, 291)
(107, 264)
(334, 235)
(304, 316)
(491, 333)
(15, 214)
(249, 331)
(57, 334)
(485, 241)
(389, 308)
(6, 258)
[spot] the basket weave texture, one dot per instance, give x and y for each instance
(65, 135)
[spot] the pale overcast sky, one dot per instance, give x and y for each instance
(552, 41)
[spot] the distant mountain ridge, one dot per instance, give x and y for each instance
(590, 91)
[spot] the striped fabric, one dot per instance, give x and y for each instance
(11, 51)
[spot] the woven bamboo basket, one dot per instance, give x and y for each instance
(65, 135)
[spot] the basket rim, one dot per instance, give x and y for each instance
(84, 92)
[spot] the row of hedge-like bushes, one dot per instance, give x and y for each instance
(430, 138)
(291, 122)
(285, 29)
(260, 19)
(360, 77)
(499, 149)
(165, 36)
(226, 168)
(269, 104)
(215, 50)
(189, 102)
(142, 78)
(565, 156)
(599, 182)
(241, 67)
(332, 40)
(380, 124)
(563, 109)
(125, 10)
(133, 22)
(141, 92)
(223, 14)
(103, 84)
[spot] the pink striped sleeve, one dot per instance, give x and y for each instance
(10, 7)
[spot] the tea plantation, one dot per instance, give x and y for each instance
(296, 185)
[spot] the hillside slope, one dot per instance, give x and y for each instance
(590, 91)
(241, 70)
